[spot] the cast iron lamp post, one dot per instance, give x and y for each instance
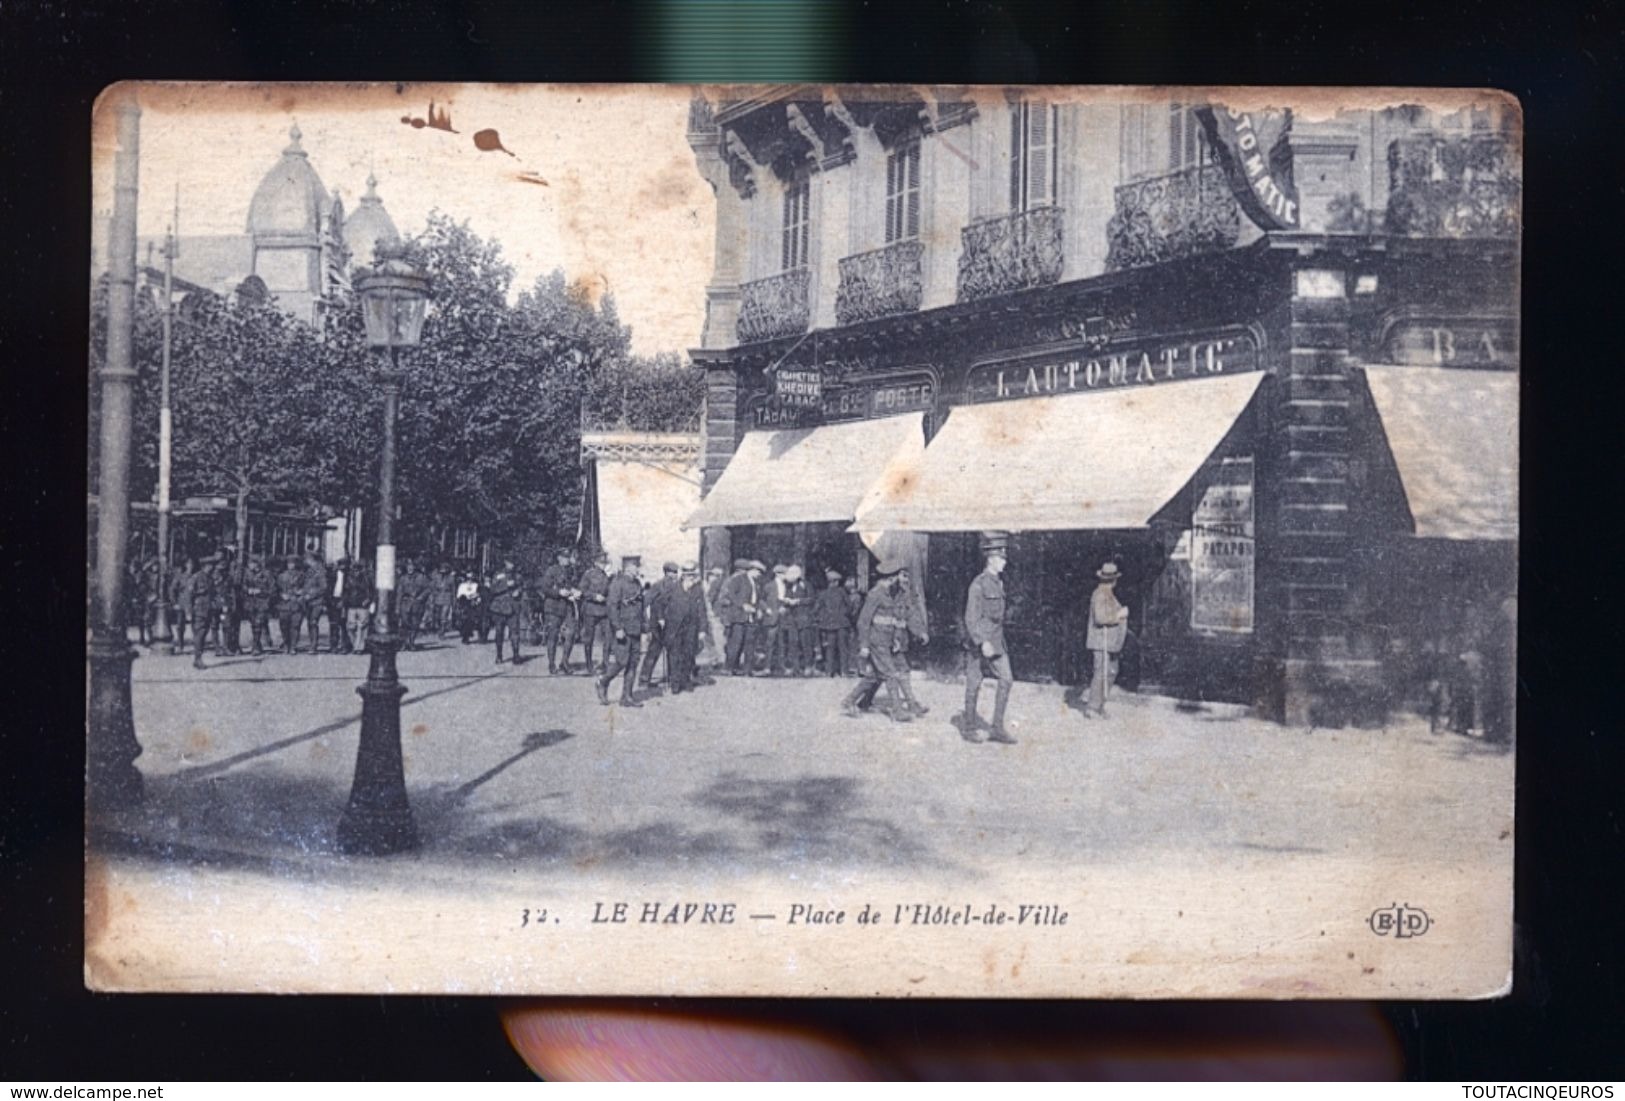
(378, 820)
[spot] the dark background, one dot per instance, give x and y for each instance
(1563, 1019)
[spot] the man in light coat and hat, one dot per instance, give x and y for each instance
(1108, 628)
(985, 650)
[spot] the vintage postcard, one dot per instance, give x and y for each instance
(797, 540)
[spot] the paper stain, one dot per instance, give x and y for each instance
(419, 729)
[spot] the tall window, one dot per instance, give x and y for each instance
(1032, 155)
(797, 225)
(1187, 144)
(903, 193)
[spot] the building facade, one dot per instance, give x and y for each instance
(1266, 365)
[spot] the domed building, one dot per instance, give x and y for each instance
(298, 241)
(368, 227)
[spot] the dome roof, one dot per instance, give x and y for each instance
(368, 225)
(291, 198)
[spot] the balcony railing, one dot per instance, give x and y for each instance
(880, 283)
(774, 307)
(1180, 214)
(1011, 253)
(1453, 186)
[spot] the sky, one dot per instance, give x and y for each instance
(623, 207)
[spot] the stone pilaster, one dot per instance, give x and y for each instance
(723, 431)
(1322, 681)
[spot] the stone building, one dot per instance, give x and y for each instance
(1267, 365)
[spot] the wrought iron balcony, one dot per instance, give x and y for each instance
(774, 307)
(1166, 217)
(880, 283)
(1450, 186)
(1012, 253)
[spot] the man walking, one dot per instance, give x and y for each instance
(594, 589)
(503, 608)
(658, 596)
(626, 611)
(1108, 628)
(412, 600)
(985, 650)
(887, 619)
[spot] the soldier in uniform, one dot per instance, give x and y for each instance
(180, 598)
(227, 633)
(290, 602)
(203, 609)
(314, 592)
(503, 607)
(259, 593)
(558, 598)
(685, 616)
(887, 619)
(659, 594)
(985, 650)
(594, 589)
(412, 600)
(626, 611)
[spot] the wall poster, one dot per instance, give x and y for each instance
(1221, 549)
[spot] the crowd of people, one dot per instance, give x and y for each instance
(753, 621)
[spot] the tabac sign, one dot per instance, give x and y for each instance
(1148, 363)
(798, 387)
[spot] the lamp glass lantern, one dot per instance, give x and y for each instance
(394, 296)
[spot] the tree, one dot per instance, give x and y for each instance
(660, 393)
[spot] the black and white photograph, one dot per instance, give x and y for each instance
(803, 540)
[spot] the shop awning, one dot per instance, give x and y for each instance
(810, 475)
(1454, 438)
(1083, 461)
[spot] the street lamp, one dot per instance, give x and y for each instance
(378, 819)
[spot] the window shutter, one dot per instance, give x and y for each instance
(1018, 186)
(911, 193)
(1040, 154)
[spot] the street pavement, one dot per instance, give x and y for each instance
(248, 765)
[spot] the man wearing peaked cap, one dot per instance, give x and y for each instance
(985, 650)
(658, 596)
(627, 613)
(889, 616)
(594, 599)
(833, 623)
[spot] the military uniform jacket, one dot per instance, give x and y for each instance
(259, 588)
(200, 591)
(829, 610)
(984, 613)
(288, 584)
(626, 605)
(414, 590)
(180, 587)
(555, 580)
(736, 603)
(313, 586)
(504, 592)
(594, 593)
(884, 622)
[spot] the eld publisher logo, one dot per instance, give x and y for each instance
(1399, 922)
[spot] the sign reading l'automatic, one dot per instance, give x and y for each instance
(1079, 369)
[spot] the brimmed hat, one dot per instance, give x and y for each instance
(793, 573)
(995, 542)
(755, 564)
(741, 563)
(601, 556)
(691, 569)
(1108, 572)
(669, 567)
(832, 573)
(780, 569)
(891, 567)
(631, 560)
